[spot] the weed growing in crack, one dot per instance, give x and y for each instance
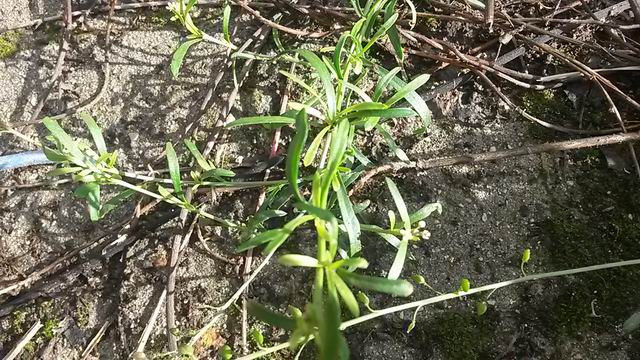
(321, 199)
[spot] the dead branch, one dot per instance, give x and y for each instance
(422, 165)
(62, 54)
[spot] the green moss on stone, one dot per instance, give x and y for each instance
(462, 336)
(604, 228)
(9, 44)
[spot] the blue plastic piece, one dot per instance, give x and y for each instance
(23, 159)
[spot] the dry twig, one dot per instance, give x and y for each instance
(422, 165)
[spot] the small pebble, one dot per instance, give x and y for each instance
(492, 149)
(484, 217)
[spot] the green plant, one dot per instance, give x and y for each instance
(94, 169)
(181, 11)
(339, 108)
(9, 44)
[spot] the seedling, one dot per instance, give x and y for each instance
(526, 255)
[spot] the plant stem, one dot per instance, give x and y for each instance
(457, 294)
(211, 184)
(159, 197)
(377, 229)
(136, 188)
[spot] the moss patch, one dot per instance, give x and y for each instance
(9, 44)
(462, 336)
(556, 108)
(605, 228)
(21, 320)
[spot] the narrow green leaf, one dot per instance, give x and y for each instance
(352, 262)
(261, 120)
(412, 97)
(412, 86)
(347, 295)
(425, 212)
(62, 137)
(323, 214)
(398, 261)
(357, 7)
(115, 201)
(400, 205)
(360, 207)
(63, 171)
(392, 219)
(218, 173)
(179, 54)
(330, 339)
(329, 66)
(277, 40)
(384, 82)
(325, 77)
(270, 317)
(90, 192)
(226, 16)
(356, 29)
(350, 219)
(391, 239)
(292, 166)
(337, 53)
(53, 155)
(264, 215)
(361, 93)
(264, 237)
(339, 139)
(197, 155)
(382, 113)
(381, 31)
(174, 168)
(168, 196)
(364, 106)
(296, 107)
(298, 260)
(387, 286)
(313, 148)
(190, 4)
(274, 237)
(394, 37)
(95, 131)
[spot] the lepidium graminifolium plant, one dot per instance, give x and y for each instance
(337, 110)
(97, 168)
(318, 175)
